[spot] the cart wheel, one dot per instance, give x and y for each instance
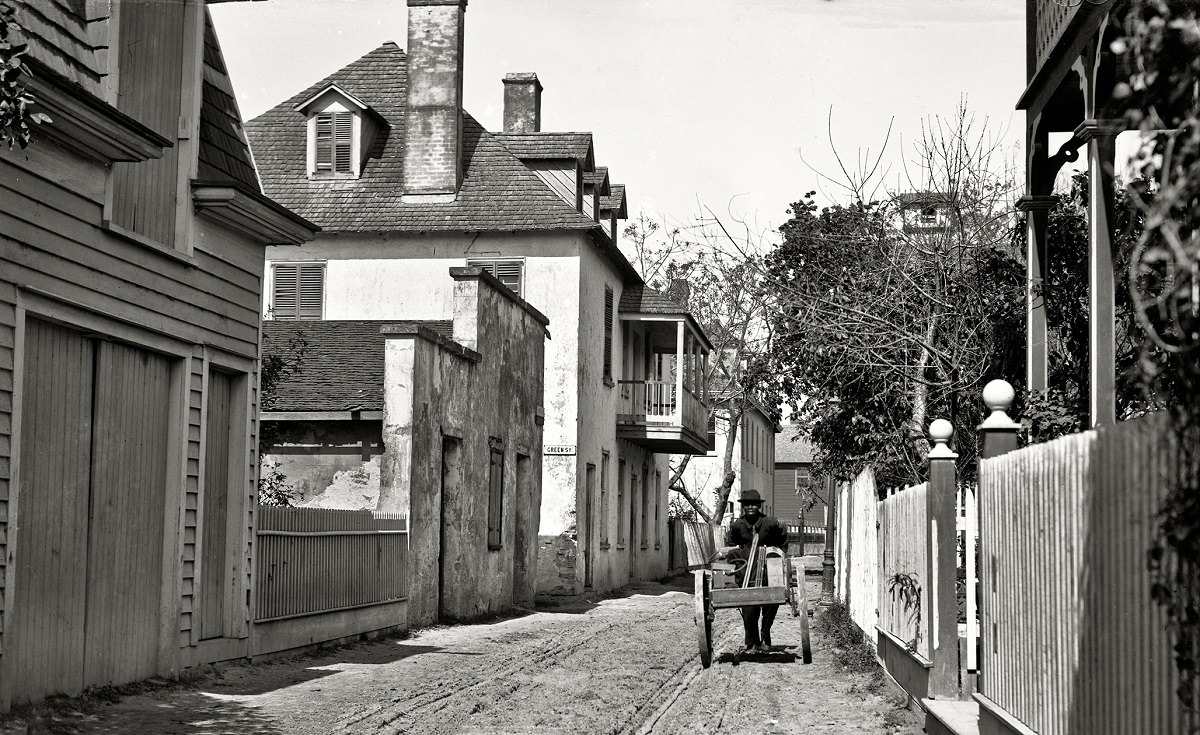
(789, 576)
(799, 595)
(704, 616)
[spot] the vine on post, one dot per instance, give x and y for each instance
(1158, 58)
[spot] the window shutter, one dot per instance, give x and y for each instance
(283, 297)
(608, 331)
(324, 157)
(311, 291)
(508, 272)
(343, 133)
(495, 499)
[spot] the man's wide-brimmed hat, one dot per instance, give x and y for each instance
(751, 497)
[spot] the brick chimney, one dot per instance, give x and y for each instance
(433, 126)
(522, 103)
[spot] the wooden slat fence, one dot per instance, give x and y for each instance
(693, 544)
(316, 560)
(1072, 642)
(968, 540)
(903, 554)
(857, 578)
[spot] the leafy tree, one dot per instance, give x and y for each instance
(1158, 63)
(885, 323)
(718, 275)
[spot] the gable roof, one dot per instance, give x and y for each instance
(342, 365)
(615, 200)
(645, 300)
(498, 193)
(792, 447)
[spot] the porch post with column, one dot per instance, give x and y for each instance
(680, 369)
(941, 566)
(1037, 209)
(1101, 137)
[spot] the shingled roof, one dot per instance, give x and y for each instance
(646, 300)
(341, 368)
(57, 34)
(792, 447)
(615, 200)
(224, 154)
(498, 193)
(548, 145)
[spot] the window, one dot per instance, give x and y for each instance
(604, 500)
(508, 272)
(608, 333)
(495, 498)
(803, 479)
(334, 138)
(621, 503)
(928, 216)
(298, 291)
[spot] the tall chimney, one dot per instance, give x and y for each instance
(433, 126)
(522, 103)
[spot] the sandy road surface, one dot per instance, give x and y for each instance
(622, 665)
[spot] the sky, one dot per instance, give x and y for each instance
(725, 106)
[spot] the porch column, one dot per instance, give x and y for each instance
(1036, 205)
(680, 368)
(1101, 137)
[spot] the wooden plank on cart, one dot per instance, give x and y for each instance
(802, 595)
(749, 596)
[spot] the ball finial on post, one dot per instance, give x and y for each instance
(940, 432)
(998, 432)
(998, 395)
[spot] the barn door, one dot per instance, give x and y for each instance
(125, 533)
(214, 565)
(89, 553)
(43, 650)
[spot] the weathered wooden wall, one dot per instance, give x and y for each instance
(1071, 641)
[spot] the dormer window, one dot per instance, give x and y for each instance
(341, 130)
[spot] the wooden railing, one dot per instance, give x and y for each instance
(1051, 20)
(654, 402)
(903, 559)
(1072, 642)
(315, 560)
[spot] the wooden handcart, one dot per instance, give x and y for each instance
(716, 590)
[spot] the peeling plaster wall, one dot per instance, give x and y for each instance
(432, 391)
(317, 456)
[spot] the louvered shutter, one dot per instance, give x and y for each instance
(343, 125)
(311, 290)
(283, 297)
(608, 331)
(324, 153)
(508, 272)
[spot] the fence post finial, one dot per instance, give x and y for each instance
(940, 432)
(998, 432)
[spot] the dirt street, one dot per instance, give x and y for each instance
(627, 664)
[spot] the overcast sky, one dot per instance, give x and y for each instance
(715, 103)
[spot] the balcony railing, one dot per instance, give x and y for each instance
(1051, 21)
(657, 406)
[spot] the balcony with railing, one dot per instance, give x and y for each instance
(662, 401)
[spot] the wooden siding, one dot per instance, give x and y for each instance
(8, 338)
(1071, 641)
(903, 550)
(559, 177)
(151, 80)
(315, 560)
(215, 515)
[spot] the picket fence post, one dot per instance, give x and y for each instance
(941, 557)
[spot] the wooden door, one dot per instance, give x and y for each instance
(215, 572)
(125, 532)
(44, 645)
(588, 529)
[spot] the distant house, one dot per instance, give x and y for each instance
(406, 184)
(924, 212)
(448, 414)
(131, 258)
(800, 500)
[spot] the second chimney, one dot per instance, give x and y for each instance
(433, 125)
(522, 103)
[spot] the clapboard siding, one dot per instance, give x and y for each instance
(8, 319)
(191, 498)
